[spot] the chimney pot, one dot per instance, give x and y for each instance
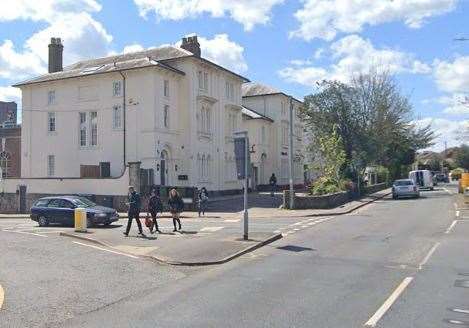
(191, 44)
(55, 55)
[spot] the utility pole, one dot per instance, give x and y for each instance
(290, 153)
(246, 181)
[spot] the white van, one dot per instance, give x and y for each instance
(422, 178)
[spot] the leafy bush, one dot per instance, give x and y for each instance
(326, 185)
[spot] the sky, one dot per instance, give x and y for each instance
(288, 44)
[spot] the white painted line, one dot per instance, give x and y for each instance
(106, 250)
(460, 311)
(277, 231)
(25, 233)
(451, 226)
(211, 229)
(430, 253)
(457, 213)
(304, 226)
(236, 220)
(296, 229)
(297, 223)
(2, 296)
(388, 303)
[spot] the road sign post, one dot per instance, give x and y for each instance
(242, 155)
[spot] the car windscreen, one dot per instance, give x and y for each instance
(403, 183)
(82, 202)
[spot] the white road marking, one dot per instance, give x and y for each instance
(211, 229)
(451, 226)
(236, 220)
(457, 213)
(2, 296)
(106, 250)
(460, 311)
(296, 229)
(277, 231)
(427, 257)
(24, 233)
(388, 303)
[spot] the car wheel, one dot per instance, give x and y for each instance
(42, 221)
(431, 188)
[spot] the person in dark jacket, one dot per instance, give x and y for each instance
(134, 211)
(273, 184)
(203, 200)
(154, 206)
(176, 205)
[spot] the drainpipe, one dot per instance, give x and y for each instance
(124, 121)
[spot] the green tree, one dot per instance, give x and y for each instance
(462, 157)
(373, 119)
(333, 159)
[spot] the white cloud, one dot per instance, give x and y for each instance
(18, 65)
(224, 52)
(325, 18)
(246, 12)
(133, 48)
(447, 130)
(44, 10)
(10, 94)
(354, 55)
(453, 76)
(82, 36)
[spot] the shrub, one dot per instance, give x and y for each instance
(326, 185)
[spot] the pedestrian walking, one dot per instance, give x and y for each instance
(203, 200)
(176, 205)
(134, 211)
(273, 184)
(154, 206)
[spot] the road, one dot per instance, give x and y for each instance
(390, 264)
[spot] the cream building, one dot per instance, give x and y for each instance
(266, 114)
(168, 108)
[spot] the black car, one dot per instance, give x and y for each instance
(61, 210)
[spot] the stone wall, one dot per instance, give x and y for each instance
(306, 201)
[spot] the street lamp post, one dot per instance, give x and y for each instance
(290, 156)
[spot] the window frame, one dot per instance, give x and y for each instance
(166, 88)
(117, 92)
(50, 168)
(83, 127)
(51, 97)
(166, 119)
(93, 129)
(51, 116)
(117, 117)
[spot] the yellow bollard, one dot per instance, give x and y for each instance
(80, 220)
(463, 182)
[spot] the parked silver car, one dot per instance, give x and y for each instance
(405, 188)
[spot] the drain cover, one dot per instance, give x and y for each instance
(461, 283)
(293, 248)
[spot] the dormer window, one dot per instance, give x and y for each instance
(116, 88)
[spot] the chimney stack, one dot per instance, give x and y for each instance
(55, 55)
(191, 44)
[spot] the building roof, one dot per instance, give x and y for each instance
(252, 114)
(254, 89)
(156, 57)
